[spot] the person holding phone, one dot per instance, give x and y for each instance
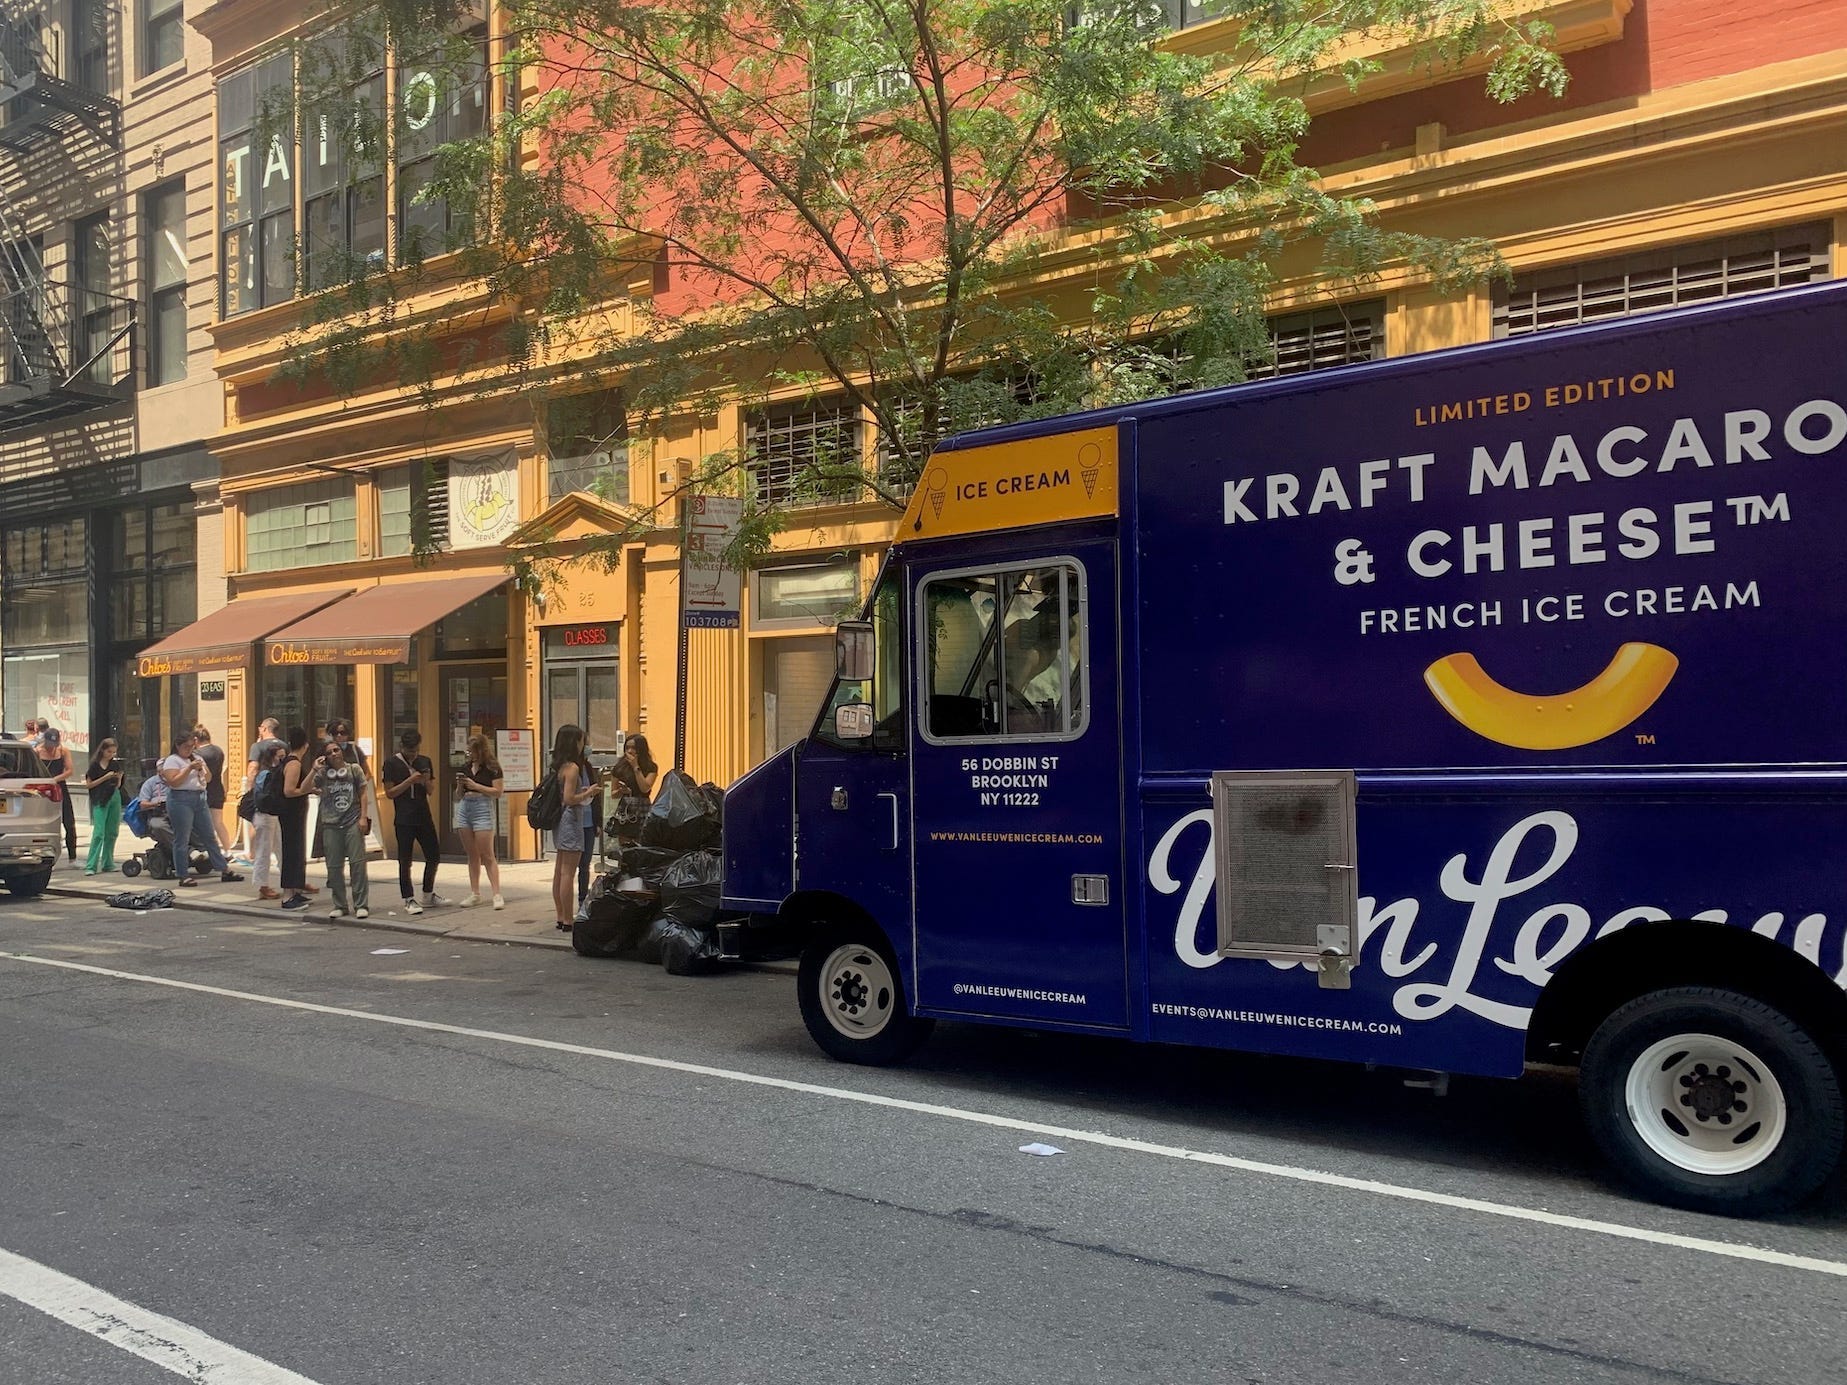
(480, 782)
(186, 776)
(408, 779)
(104, 781)
(292, 821)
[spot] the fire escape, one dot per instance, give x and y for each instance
(66, 346)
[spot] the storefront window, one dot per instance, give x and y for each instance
(307, 697)
(480, 627)
(45, 629)
(814, 594)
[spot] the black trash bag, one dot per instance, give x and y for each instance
(613, 922)
(681, 818)
(648, 862)
(684, 950)
(715, 798)
(690, 888)
(142, 900)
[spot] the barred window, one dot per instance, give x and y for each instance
(795, 453)
(1318, 339)
(969, 401)
(1700, 272)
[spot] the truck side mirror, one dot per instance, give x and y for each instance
(853, 651)
(853, 721)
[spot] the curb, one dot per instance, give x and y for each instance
(459, 934)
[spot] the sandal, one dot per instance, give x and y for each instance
(187, 883)
(563, 927)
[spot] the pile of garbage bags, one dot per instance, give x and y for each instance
(658, 899)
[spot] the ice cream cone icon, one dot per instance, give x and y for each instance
(938, 483)
(1090, 466)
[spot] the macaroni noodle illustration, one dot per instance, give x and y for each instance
(1627, 687)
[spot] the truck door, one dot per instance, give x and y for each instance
(1017, 784)
(852, 797)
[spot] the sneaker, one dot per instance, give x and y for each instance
(471, 901)
(499, 903)
(297, 901)
(411, 906)
(432, 900)
(334, 914)
(362, 913)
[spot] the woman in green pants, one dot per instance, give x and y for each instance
(104, 782)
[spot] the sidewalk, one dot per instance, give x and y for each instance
(527, 888)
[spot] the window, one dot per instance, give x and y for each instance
(811, 594)
(1338, 334)
(588, 439)
(343, 167)
(1572, 294)
(801, 454)
(90, 21)
(302, 525)
(413, 507)
(163, 219)
(256, 219)
(163, 34)
(1002, 654)
(437, 104)
(975, 400)
(886, 695)
(95, 306)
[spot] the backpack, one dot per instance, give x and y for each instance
(545, 807)
(267, 791)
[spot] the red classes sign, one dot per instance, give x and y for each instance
(587, 634)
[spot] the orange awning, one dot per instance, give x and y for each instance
(376, 625)
(223, 639)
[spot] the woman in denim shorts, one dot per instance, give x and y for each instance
(577, 784)
(478, 784)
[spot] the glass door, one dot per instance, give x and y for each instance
(474, 702)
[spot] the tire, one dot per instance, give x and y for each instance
(131, 867)
(25, 886)
(1710, 1100)
(853, 1001)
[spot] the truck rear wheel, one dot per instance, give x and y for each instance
(1708, 1099)
(853, 1002)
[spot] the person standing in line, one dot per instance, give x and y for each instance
(186, 775)
(292, 821)
(633, 781)
(593, 836)
(576, 786)
(479, 784)
(104, 781)
(341, 730)
(269, 729)
(342, 787)
(408, 778)
(55, 763)
(215, 795)
(264, 793)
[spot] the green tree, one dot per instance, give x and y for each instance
(954, 211)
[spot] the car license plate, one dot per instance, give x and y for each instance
(9, 805)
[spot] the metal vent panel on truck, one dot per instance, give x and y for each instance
(1013, 485)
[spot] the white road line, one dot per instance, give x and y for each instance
(167, 1342)
(1703, 1245)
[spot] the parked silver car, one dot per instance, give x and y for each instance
(31, 821)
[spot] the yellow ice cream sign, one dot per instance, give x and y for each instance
(1012, 485)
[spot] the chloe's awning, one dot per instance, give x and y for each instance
(376, 625)
(223, 639)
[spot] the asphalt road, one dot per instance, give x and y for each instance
(355, 1199)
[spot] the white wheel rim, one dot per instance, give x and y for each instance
(1677, 1094)
(858, 994)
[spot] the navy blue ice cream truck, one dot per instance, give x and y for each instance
(1451, 712)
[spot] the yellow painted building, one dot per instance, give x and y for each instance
(1698, 154)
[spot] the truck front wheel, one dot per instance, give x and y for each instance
(1708, 1099)
(853, 1002)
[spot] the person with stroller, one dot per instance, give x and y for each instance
(104, 781)
(54, 762)
(187, 775)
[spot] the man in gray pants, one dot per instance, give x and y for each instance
(344, 825)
